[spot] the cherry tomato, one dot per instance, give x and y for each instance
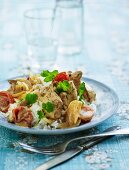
(61, 77)
(5, 99)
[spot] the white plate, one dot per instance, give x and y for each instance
(107, 104)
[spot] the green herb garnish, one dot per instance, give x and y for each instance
(63, 86)
(40, 114)
(49, 107)
(81, 91)
(31, 98)
(49, 76)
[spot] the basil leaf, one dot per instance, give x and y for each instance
(63, 86)
(31, 98)
(49, 76)
(49, 107)
(54, 73)
(45, 73)
(81, 90)
(40, 114)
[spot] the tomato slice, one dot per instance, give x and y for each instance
(8, 95)
(22, 116)
(61, 77)
(5, 99)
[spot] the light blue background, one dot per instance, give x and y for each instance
(105, 58)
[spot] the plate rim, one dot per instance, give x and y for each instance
(67, 130)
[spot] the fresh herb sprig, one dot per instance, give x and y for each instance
(49, 76)
(62, 86)
(49, 107)
(40, 114)
(31, 98)
(81, 91)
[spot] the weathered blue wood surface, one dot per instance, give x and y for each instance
(105, 58)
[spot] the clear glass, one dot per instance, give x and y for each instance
(71, 26)
(41, 38)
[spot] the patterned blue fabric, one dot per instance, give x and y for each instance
(105, 58)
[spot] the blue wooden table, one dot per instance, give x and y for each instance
(105, 58)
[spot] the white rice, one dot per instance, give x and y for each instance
(35, 108)
(55, 125)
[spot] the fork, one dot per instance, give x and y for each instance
(61, 147)
(69, 154)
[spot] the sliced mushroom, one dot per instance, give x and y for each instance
(73, 112)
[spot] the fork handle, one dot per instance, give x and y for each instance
(112, 133)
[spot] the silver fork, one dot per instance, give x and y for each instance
(61, 147)
(67, 155)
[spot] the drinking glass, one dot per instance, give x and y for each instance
(40, 33)
(71, 26)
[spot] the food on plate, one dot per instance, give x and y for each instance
(73, 111)
(49, 100)
(5, 100)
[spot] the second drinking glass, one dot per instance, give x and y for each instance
(71, 26)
